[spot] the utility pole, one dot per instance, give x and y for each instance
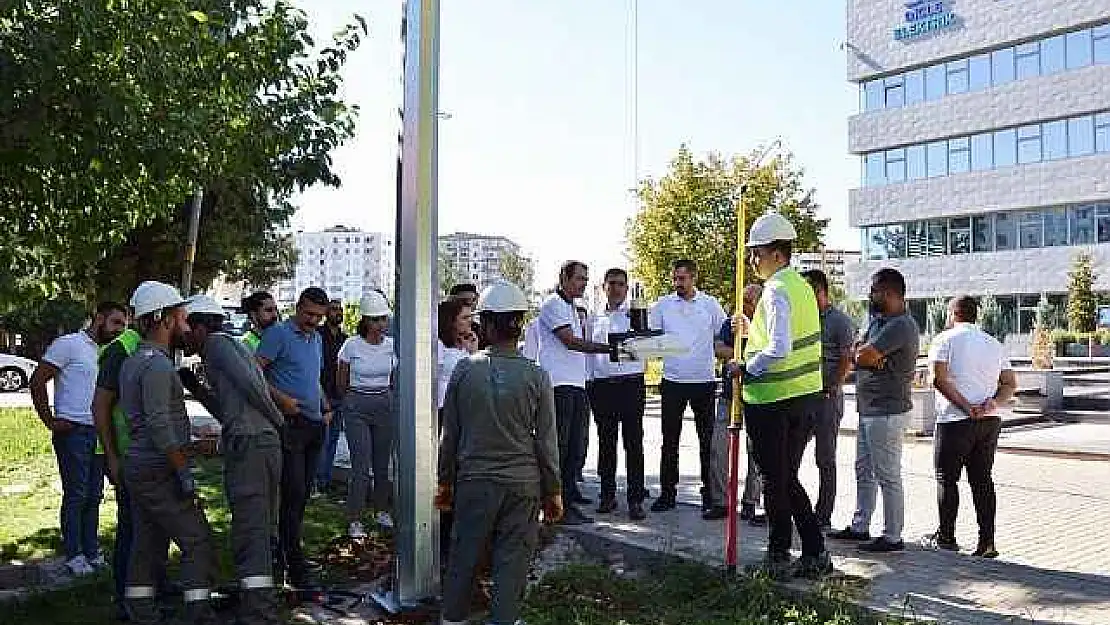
(416, 574)
(191, 242)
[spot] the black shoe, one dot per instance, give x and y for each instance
(775, 564)
(849, 534)
(985, 550)
(882, 545)
(607, 505)
(663, 504)
(574, 516)
(579, 478)
(716, 513)
(636, 511)
(582, 500)
(758, 520)
(814, 567)
(938, 541)
(747, 513)
(825, 528)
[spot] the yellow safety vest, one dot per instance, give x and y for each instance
(252, 340)
(800, 372)
(129, 339)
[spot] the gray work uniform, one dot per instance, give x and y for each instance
(251, 442)
(153, 398)
(500, 452)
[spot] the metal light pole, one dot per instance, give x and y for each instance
(416, 575)
(191, 242)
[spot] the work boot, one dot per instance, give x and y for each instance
(258, 607)
(636, 511)
(144, 611)
(607, 504)
(715, 513)
(665, 502)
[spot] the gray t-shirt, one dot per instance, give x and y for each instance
(838, 332)
(886, 391)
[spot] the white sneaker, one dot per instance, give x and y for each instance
(356, 530)
(79, 566)
(98, 562)
(384, 520)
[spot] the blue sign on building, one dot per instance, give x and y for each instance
(923, 17)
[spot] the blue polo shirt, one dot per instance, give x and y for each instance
(296, 359)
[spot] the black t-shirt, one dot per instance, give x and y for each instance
(111, 361)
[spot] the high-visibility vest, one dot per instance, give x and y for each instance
(252, 340)
(129, 340)
(799, 373)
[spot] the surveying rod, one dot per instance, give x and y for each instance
(736, 418)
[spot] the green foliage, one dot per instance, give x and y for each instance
(518, 270)
(449, 275)
(1048, 315)
(1064, 337)
(40, 321)
(936, 315)
(857, 310)
(991, 318)
(691, 213)
(115, 112)
(1082, 302)
(352, 313)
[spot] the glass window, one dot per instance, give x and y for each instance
(936, 82)
(914, 86)
(959, 235)
(895, 97)
(1101, 36)
(1052, 55)
(982, 152)
(938, 159)
(1055, 227)
(1079, 49)
(979, 72)
(875, 243)
(957, 76)
(1002, 66)
(1055, 140)
(1082, 224)
(959, 155)
(1027, 59)
(1102, 215)
(915, 162)
(1031, 230)
(938, 237)
(895, 165)
(896, 241)
(1102, 132)
(1029, 144)
(1005, 232)
(982, 228)
(874, 169)
(916, 239)
(1005, 148)
(1081, 136)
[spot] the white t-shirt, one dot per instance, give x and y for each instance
(975, 360)
(75, 357)
(451, 357)
(694, 322)
(531, 349)
(565, 367)
(371, 365)
(601, 324)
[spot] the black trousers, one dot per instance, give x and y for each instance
(618, 404)
(572, 413)
(970, 443)
(779, 433)
(675, 397)
(301, 443)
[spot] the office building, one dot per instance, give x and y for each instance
(832, 262)
(346, 262)
(984, 140)
(476, 258)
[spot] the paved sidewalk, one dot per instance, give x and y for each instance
(1052, 519)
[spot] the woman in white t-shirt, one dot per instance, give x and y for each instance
(456, 339)
(366, 365)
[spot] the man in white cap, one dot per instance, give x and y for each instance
(238, 397)
(782, 391)
(157, 469)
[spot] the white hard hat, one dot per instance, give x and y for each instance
(153, 296)
(374, 305)
(771, 227)
(204, 305)
(502, 296)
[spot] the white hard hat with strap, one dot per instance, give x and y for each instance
(771, 227)
(502, 296)
(151, 296)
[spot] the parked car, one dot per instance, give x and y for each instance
(15, 372)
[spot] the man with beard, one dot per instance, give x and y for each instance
(157, 470)
(333, 338)
(263, 313)
(71, 361)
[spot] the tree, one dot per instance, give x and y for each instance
(517, 269)
(937, 315)
(691, 213)
(1082, 303)
(448, 274)
(992, 319)
(115, 112)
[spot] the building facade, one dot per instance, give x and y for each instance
(476, 258)
(346, 262)
(832, 262)
(984, 140)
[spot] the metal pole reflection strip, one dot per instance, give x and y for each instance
(417, 530)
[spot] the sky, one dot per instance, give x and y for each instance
(540, 95)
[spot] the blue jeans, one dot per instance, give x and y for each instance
(82, 473)
(331, 441)
(879, 465)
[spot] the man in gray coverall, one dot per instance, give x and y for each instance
(238, 396)
(157, 468)
(498, 459)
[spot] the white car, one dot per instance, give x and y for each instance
(15, 372)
